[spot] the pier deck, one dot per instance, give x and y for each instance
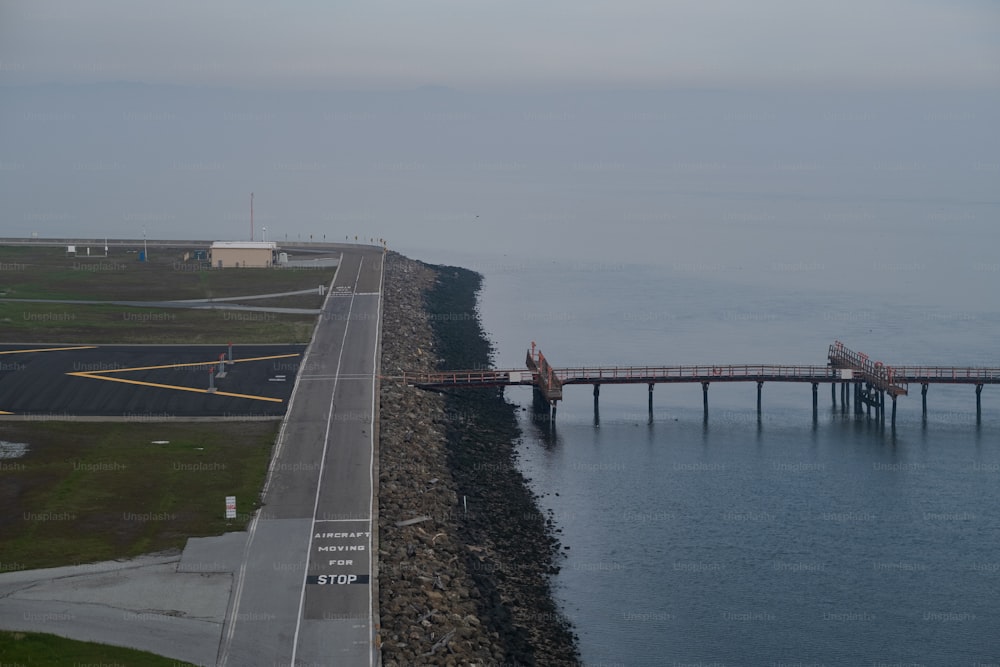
(870, 380)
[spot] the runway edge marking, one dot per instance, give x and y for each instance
(226, 641)
(374, 617)
(322, 465)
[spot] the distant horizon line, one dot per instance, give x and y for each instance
(877, 88)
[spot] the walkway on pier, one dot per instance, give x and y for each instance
(870, 381)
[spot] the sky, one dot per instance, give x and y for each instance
(636, 130)
(492, 45)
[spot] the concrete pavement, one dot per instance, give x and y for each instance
(144, 603)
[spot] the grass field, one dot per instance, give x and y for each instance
(34, 649)
(87, 492)
(37, 272)
(32, 272)
(97, 324)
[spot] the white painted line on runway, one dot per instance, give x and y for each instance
(252, 528)
(322, 464)
(341, 520)
(372, 567)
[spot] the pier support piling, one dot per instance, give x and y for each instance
(597, 408)
(651, 385)
(704, 398)
(923, 397)
(760, 385)
(979, 403)
(893, 412)
(815, 399)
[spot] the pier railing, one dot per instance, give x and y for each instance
(482, 378)
(882, 377)
(957, 374)
(697, 373)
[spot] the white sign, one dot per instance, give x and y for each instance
(847, 374)
(230, 507)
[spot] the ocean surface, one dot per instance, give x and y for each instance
(779, 541)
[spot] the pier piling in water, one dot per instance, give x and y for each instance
(979, 404)
(597, 409)
(651, 385)
(704, 398)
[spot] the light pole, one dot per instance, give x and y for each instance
(145, 253)
(263, 233)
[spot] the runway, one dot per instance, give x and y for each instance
(303, 594)
(147, 381)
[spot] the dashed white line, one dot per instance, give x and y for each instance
(322, 465)
(252, 528)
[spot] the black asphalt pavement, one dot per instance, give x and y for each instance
(146, 381)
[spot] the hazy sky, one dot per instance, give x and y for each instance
(489, 44)
(789, 129)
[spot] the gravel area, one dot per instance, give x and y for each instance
(465, 556)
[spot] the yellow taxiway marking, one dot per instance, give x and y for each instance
(102, 375)
(193, 363)
(50, 349)
(4, 412)
(94, 376)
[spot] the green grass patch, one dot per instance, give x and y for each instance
(35, 272)
(35, 649)
(104, 324)
(93, 491)
(30, 272)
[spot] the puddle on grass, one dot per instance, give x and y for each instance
(12, 450)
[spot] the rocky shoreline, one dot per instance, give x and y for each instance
(465, 556)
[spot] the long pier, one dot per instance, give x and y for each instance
(862, 380)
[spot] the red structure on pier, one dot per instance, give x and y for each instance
(869, 381)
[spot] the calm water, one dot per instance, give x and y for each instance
(772, 542)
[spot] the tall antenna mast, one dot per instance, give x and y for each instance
(251, 216)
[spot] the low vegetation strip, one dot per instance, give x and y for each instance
(38, 272)
(43, 650)
(85, 492)
(34, 272)
(106, 324)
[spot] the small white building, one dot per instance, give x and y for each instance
(243, 254)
